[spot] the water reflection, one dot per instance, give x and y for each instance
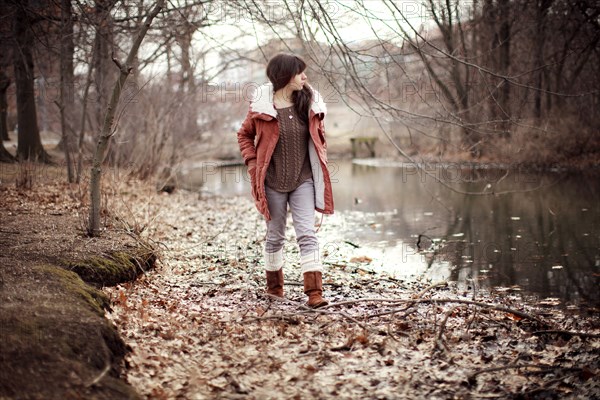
(544, 241)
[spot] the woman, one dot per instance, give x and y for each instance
(282, 141)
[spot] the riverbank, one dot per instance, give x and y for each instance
(530, 156)
(55, 341)
(200, 325)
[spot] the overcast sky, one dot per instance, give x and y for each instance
(355, 21)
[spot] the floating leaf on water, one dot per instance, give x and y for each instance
(557, 267)
(428, 213)
(458, 234)
(515, 218)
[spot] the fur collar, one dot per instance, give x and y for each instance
(261, 101)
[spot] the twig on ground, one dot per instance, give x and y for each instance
(471, 320)
(320, 311)
(367, 300)
(542, 368)
(204, 283)
(546, 385)
(568, 333)
(105, 371)
(462, 301)
(430, 287)
(351, 244)
(439, 340)
(336, 285)
(99, 377)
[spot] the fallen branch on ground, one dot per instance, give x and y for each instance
(569, 333)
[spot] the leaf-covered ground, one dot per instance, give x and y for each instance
(200, 325)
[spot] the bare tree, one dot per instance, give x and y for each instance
(4, 85)
(104, 47)
(481, 71)
(67, 90)
(5, 156)
(5, 50)
(29, 142)
(108, 129)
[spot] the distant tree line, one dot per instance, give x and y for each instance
(59, 56)
(502, 79)
(496, 79)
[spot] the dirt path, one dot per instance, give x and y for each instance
(201, 327)
(54, 340)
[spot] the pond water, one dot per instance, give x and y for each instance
(542, 241)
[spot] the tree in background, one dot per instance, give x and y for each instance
(108, 128)
(481, 78)
(5, 156)
(4, 85)
(104, 49)
(29, 142)
(486, 79)
(67, 88)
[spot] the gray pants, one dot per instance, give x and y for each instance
(302, 205)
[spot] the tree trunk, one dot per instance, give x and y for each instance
(5, 156)
(188, 80)
(540, 42)
(107, 127)
(29, 145)
(103, 67)
(456, 88)
(67, 92)
(84, 115)
(504, 64)
(4, 84)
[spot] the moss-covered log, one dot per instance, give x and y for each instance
(54, 340)
(115, 268)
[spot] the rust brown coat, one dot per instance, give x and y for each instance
(257, 139)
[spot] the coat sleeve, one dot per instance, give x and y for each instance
(245, 137)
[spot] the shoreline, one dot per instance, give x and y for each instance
(397, 162)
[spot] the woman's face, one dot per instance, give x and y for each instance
(298, 81)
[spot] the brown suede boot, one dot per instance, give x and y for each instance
(313, 287)
(275, 282)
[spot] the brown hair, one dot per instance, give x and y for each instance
(280, 71)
